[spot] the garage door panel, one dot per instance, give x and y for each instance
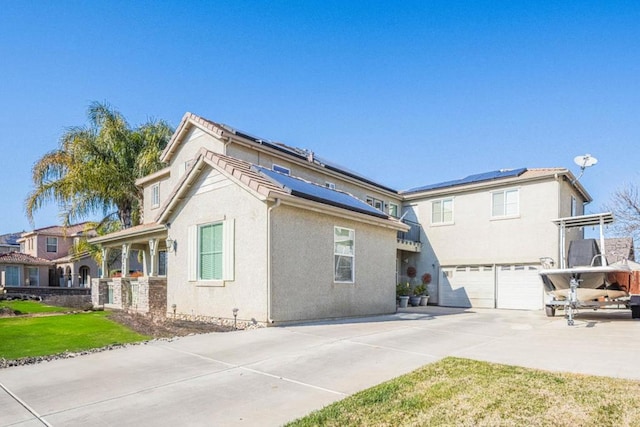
(519, 287)
(468, 287)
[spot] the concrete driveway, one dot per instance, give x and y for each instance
(269, 376)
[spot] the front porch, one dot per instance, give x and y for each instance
(145, 295)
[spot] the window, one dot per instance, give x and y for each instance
(52, 244)
(330, 185)
(574, 206)
(155, 195)
(442, 211)
(281, 169)
(210, 251)
(344, 254)
(393, 210)
(12, 275)
(378, 204)
(33, 276)
(162, 263)
(505, 203)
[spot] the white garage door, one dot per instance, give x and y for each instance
(519, 287)
(467, 286)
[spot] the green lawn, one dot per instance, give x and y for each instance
(29, 307)
(469, 393)
(39, 336)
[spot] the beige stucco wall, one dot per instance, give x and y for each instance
(476, 238)
(247, 292)
(188, 149)
(303, 261)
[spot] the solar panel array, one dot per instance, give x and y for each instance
(310, 191)
(471, 179)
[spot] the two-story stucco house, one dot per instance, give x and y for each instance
(282, 235)
(54, 244)
(485, 234)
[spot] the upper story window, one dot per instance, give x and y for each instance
(393, 210)
(574, 206)
(155, 195)
(378, 204)
(281, 169)
(442, 211)
(343, 254)
(505, 203)
(52, 244)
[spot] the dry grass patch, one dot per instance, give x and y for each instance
(470, 393)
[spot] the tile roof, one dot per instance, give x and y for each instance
(20, 258)
(301, 154)
(265, 183)
(59, 230)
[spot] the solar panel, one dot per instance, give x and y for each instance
(318, 193)
(471, 179)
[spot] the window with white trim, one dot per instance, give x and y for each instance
(442, 211)
(155, 195)
(33, 276)
(330, 185)
(12, 275)
(505, 203)
(574, 206)
(376, 203)
(393, 210)
(344, 254)
(211, 251)
(52, 244)
(162, 263)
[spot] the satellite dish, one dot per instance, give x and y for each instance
(585, 161)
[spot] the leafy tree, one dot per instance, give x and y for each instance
(95, 168)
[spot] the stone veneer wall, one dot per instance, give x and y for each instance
(147, 295)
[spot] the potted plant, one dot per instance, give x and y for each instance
(426, 279)
(402, 293)
(416, 296)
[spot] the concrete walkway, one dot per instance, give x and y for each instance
(269, 376)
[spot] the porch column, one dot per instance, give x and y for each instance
(105, 265)
(125, 259)
(153, 255)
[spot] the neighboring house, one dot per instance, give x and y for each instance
(485, 234)
(18, 269)
(282, 235)
(54, 244)
(9, 243)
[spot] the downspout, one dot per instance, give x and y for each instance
(277, 203)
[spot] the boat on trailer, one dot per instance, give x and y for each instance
(585, 280)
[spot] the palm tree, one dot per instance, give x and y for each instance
(95, 168)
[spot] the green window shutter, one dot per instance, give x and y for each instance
(210, 252)
(228, 253)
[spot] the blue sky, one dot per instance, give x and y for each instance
(407, 93)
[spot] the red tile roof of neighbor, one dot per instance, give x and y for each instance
(59, 230)
(20, 258)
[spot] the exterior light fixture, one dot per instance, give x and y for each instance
(170, 243)
(235, 317)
